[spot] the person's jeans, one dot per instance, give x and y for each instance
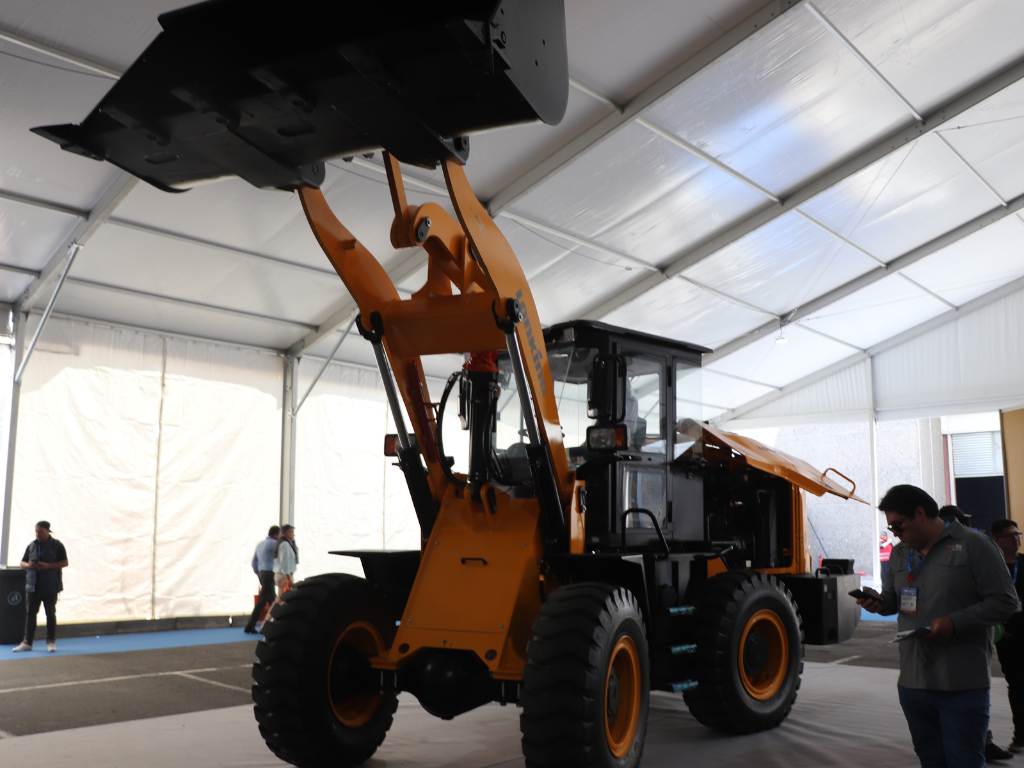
(947, 727)
(267, 597)
(1011, 659)
(49, 603)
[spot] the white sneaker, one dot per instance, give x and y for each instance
(51, 646)
(22, 646)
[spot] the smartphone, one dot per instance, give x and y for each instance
(860, 594)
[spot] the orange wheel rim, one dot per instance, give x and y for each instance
(763, 655)
(359, 708)
(622, 696)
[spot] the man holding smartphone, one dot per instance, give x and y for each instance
(951, 580)
(44, 562)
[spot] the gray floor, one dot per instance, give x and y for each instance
(52, 693)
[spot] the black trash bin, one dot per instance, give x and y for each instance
(12, 605)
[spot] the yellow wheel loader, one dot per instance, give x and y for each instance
(603, 542)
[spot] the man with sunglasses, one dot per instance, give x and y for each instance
(1010, 647)
(949, 580)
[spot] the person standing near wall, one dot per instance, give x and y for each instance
(286, 560)
(44, 562)
(950, 581)
(1010, 647)
(263, 567)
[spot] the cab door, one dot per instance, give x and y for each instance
(643, 478)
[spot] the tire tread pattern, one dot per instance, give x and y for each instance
(291, 717)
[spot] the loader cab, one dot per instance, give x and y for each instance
(629, 405)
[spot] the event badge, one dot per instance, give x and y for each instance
(908, 600)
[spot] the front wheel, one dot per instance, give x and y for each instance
(586, 686)
(749, 650)
(318, 703)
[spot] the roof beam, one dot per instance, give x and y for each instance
(19, 270)
(668, 82)
(896, 140)
(56, 53)
(884, 346)
(184, 302)
(893, 267)
(117, 191)
(213, 246)
(35, 202)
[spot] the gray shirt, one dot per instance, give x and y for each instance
(963, 577)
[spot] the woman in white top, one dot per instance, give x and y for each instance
(286, 560)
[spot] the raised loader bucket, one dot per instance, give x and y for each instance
(267, 90)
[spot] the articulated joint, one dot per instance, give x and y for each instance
(375, 335)
(514, 311)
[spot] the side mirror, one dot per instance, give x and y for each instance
(606, 390)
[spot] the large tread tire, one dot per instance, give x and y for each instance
(291, 686)
(722, 700)
(589, 639)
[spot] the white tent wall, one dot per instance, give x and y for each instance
(348, 495)
(973, 363)
(219, 476)
(86, 461)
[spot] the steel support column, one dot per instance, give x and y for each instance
(20, 321)
(876, 560)
(288, 434)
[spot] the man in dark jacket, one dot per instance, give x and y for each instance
(44, 561)
(1010, 647)
(949, 583)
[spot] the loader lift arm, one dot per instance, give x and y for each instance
(493, 308)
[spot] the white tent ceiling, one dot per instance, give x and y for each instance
(845, 171)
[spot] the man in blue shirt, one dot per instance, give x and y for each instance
(263, 566)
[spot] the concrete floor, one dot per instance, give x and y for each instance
(52, 693)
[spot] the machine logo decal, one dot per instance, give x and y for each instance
(538, 358)
(14, 598)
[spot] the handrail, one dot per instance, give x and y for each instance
(832, 469)
(638, 510)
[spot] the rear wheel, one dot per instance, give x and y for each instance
(586, 687)
(749, 651)
(317, 701)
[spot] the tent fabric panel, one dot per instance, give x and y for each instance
(844, 396)
(638, 193)
(769, 110)
(782, 265)
(103, 305)
(777, 364)
(975, 359)
(988, 136)
(219, 482)
(904, 200)
(574, 283)
(932, 49)
(35, 92)
(30, 235)
(727, 392)
(682, 311)
(86, 461)
(154, 264)
(876, 312)
(271, 222)
(995, 255)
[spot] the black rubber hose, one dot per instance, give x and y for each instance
(446, 465)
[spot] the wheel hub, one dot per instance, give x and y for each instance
(755, 654)
(349, 674)
(763, 657)
(613, 694)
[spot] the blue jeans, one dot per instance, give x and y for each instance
(948, 727)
